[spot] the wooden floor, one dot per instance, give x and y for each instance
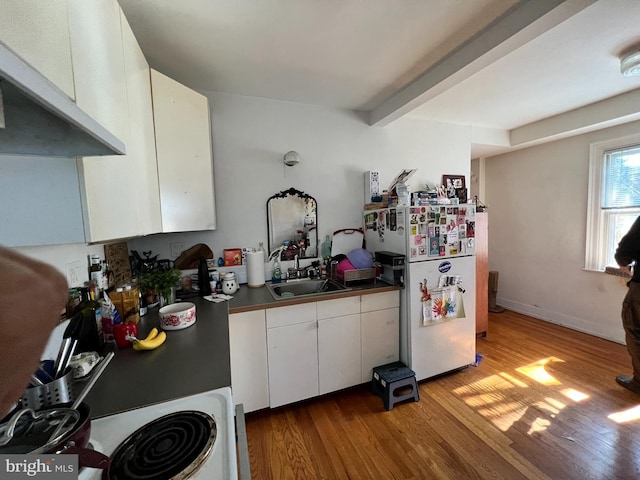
(542, 404)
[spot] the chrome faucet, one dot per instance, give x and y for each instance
(296, 262)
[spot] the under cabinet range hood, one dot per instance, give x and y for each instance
(40, 119)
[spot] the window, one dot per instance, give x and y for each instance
(614, 198)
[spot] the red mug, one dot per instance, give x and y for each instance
(121, 331)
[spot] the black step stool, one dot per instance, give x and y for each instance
(386, 379)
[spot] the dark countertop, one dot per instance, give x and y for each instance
(247, 299)
(192, 360)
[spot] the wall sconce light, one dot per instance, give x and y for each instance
(291, 158)
(630, 64)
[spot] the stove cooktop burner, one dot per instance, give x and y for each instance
(171, 447)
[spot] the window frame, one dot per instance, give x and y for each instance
(599, 219)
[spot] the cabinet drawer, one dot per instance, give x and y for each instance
(338, 307)
(291, 315)
(379, 301)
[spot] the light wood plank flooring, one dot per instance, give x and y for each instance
(542, 404)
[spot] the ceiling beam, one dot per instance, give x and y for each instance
(612, 111)
(522, 23)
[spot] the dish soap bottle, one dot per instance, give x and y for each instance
(277, 273)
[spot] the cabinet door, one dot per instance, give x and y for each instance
(290, 315)
(379, 301)
(141, 146)
(38, 32)
(293, 363)
(249, 372)
(98, 63)
(339, 363)
(108, 184)
(380, 339)
(338, 307)
(185, 167)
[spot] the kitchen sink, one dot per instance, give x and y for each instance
(304, 288)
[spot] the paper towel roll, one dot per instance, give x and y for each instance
(255, 269)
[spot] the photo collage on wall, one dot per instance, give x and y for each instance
(440, 230)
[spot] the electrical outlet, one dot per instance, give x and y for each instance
(74, 273)
(176, 249)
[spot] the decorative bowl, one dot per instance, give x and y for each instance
(177, 316)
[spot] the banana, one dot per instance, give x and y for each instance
(152, 334)
(150, 344)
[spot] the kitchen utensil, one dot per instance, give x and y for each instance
(55, 430)
(95, 374)
(360, 258)
(45, 371)
(69, 342)
(346, 240)
(177, 315)
(62, 355)
(55, 392)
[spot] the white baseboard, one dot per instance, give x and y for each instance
(564, 320)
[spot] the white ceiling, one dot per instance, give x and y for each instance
(501, 66)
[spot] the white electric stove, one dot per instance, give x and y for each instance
(201, 424)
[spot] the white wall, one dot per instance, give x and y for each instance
(60, 255)
(537, 201)
(251, 135)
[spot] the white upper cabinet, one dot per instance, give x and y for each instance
(98, 63)
(185, 164)
(141, 146)
(49, 51)
(107, 184)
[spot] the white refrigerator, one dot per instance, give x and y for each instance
(437, 307)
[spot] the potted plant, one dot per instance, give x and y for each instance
(162, 283)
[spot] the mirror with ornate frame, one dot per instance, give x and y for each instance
(292, 218)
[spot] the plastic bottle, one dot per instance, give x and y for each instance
(277, 273)
(404, 194)
(95, 274)
(325, 249)
(106, 276)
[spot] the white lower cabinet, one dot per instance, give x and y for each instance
(286, 354)
(339, 363)
(248, 348)
(292, 345)
(380, 331)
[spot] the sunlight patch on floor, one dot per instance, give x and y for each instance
(486, 397)
(538, 425)
(574, 395)
(504, 416)
(537, 371)
(513, 380)
(548, 407)
(624, 416)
